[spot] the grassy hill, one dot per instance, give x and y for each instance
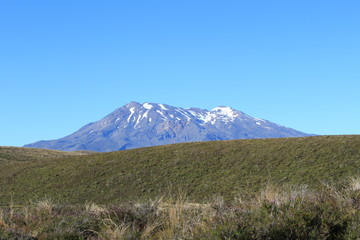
(200, 169)
(10, 154)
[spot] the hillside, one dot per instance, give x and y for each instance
(201, 169)
(10, 154)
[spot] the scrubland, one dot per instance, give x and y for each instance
(290, 188)
(276, 212)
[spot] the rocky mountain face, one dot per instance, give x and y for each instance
(138, 125)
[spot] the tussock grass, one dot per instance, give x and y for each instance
(354, 183)
(281, 212)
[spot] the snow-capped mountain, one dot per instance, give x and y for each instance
(138, 125)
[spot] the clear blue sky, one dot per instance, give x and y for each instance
(67, 63)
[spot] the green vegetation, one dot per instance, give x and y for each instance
(289, 188)
(9, 154)
(273, 213)
(202, 170)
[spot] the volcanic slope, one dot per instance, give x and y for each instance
(138, 125)
(201, 170)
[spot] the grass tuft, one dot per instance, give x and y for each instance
(280, 212)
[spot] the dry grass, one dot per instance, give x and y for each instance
(281, 212)
(113, 230)
(44, 206)
(354, 183)
(95, 209)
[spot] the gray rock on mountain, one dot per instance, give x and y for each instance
(138, 125)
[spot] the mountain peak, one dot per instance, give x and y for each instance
(228, 111)
(132, 104)
(148, 106)
(149, 124)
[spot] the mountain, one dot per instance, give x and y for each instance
(138, 125)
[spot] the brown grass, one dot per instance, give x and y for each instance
(280, 212)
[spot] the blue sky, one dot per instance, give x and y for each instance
(67, 63)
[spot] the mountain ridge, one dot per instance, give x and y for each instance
(136, 125)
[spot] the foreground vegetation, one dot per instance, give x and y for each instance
(291, 188)
(202, 169)
(274, 213)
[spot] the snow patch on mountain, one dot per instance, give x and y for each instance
(132, 111)
(162, 107)
(147, 106)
